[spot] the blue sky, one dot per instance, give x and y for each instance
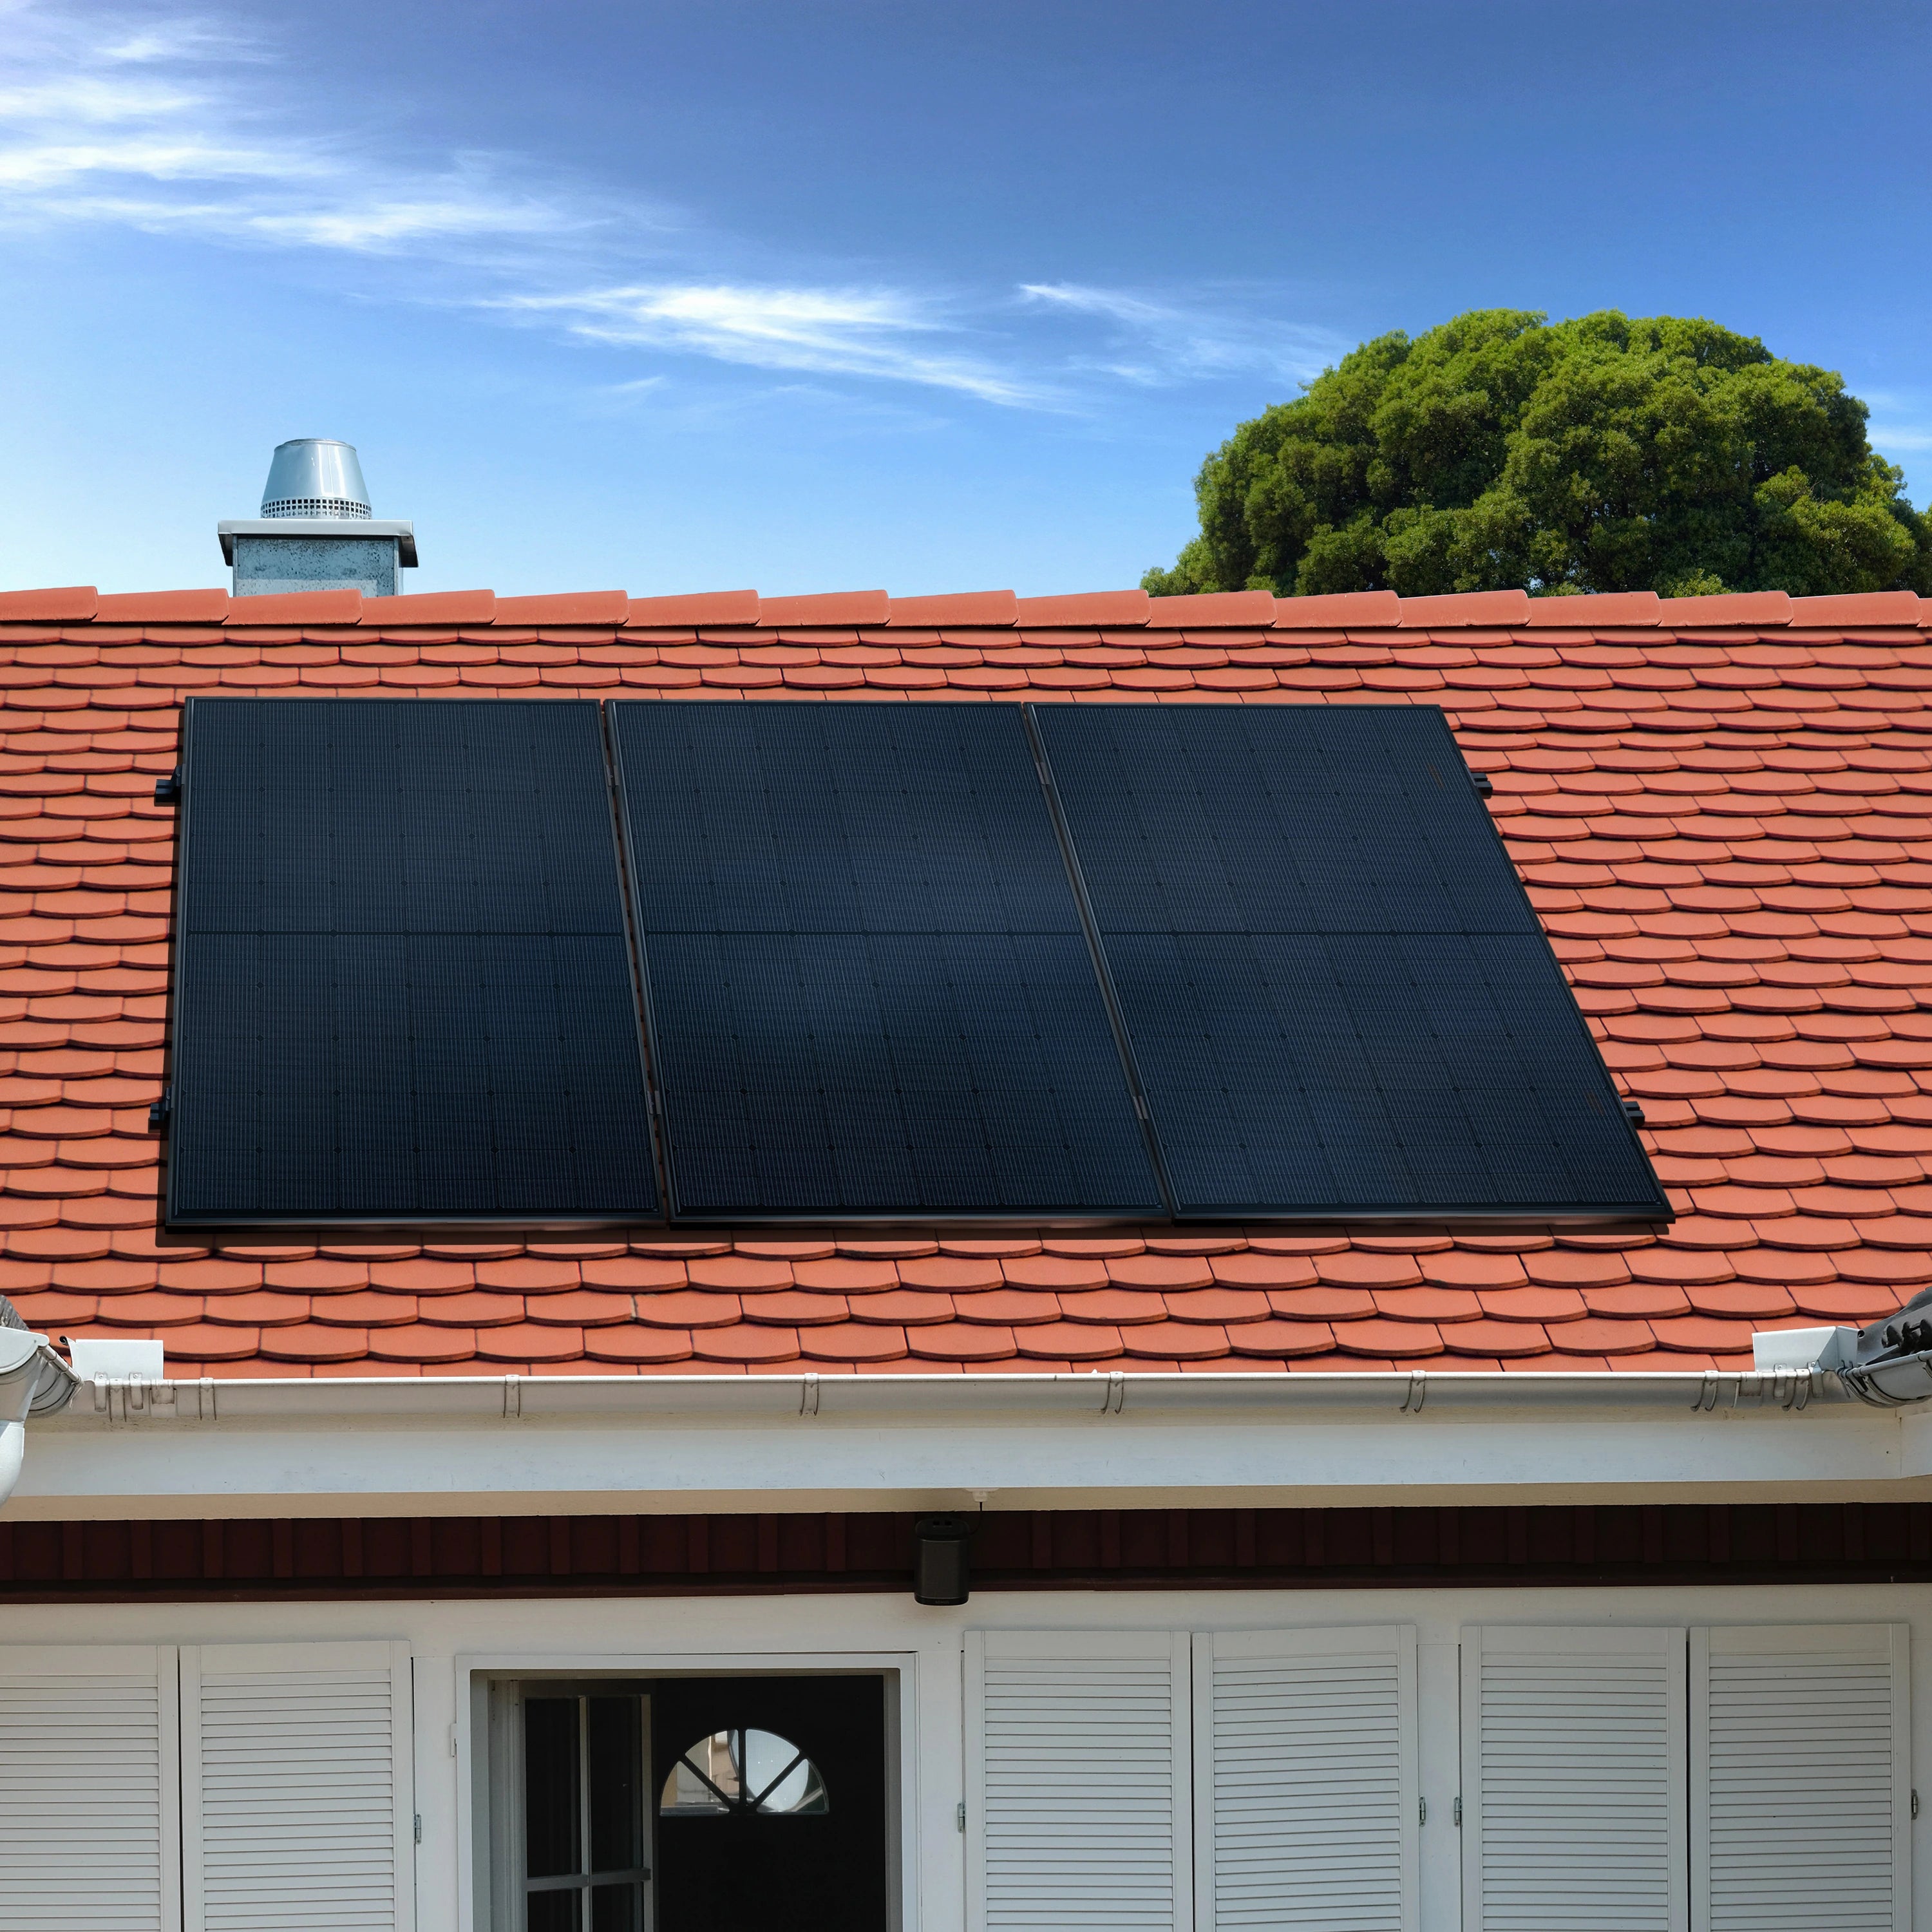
(855, 293)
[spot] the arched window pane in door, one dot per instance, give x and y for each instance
(741, 1771)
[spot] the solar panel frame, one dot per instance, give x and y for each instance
(589, 973)
(1121, 941)
(987, 927)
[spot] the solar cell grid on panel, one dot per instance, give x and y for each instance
(1337, 996)
(403, 983)
(870, 993)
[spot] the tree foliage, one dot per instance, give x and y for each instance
(1501, 450)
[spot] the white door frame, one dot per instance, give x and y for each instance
(899, 1667)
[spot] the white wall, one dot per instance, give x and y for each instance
(704, 1633)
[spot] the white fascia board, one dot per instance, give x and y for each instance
(567, 1445)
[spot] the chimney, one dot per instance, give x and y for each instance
(315, 532)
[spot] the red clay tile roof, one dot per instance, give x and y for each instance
(1723, 808)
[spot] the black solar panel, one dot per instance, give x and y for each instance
(870, 993)
(403, 989)
(1338, 999)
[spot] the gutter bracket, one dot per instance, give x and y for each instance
(1704, 1396)
(807, 1394)
(1417, 1393)
(513, 1398)
(1113, 1397)
(123, 1398)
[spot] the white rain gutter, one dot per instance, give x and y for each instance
(131, 1447)
(768, 1398)
(34, 1381)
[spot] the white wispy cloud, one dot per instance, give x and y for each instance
(178, 128)
(877, 332)
(1153, 340)
(154, 129)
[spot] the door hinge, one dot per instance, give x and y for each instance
(1458, 1811)
(1422, 1810)
(959, 1817)
(418, 1828)
(452, 1740)
(1915, 1803)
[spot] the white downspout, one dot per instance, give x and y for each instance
(34, 1381)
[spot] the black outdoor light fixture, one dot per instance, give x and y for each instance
(942, 1567)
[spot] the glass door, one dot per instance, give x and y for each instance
(586, 1848)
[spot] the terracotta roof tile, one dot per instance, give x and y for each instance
(1357, 1268)
(1113, 1305)
(1006, 1306)
(963, 1342)
(950, 1271)
(1161, 1271)
(1403, 1341)
(1281, 1338)
(1223, 1305)
(745, 1342)
(1054, 1271)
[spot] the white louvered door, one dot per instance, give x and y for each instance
(1078, 1812)
(1305, 1780)
(297, 1814)
(1801, 1787)
(1574, 1788)
(90, 1819)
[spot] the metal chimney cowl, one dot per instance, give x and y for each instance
(315, 531)
(315, 476)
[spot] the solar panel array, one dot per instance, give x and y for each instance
(899, 962)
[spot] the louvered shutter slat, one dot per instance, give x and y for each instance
(1305, 1780)
(1801, 1778)
(1574, 1781)
(89, 1797)
(296, 1759)
(1077, 1784)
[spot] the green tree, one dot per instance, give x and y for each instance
(1501, 450)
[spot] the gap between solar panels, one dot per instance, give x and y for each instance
(907, 964)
